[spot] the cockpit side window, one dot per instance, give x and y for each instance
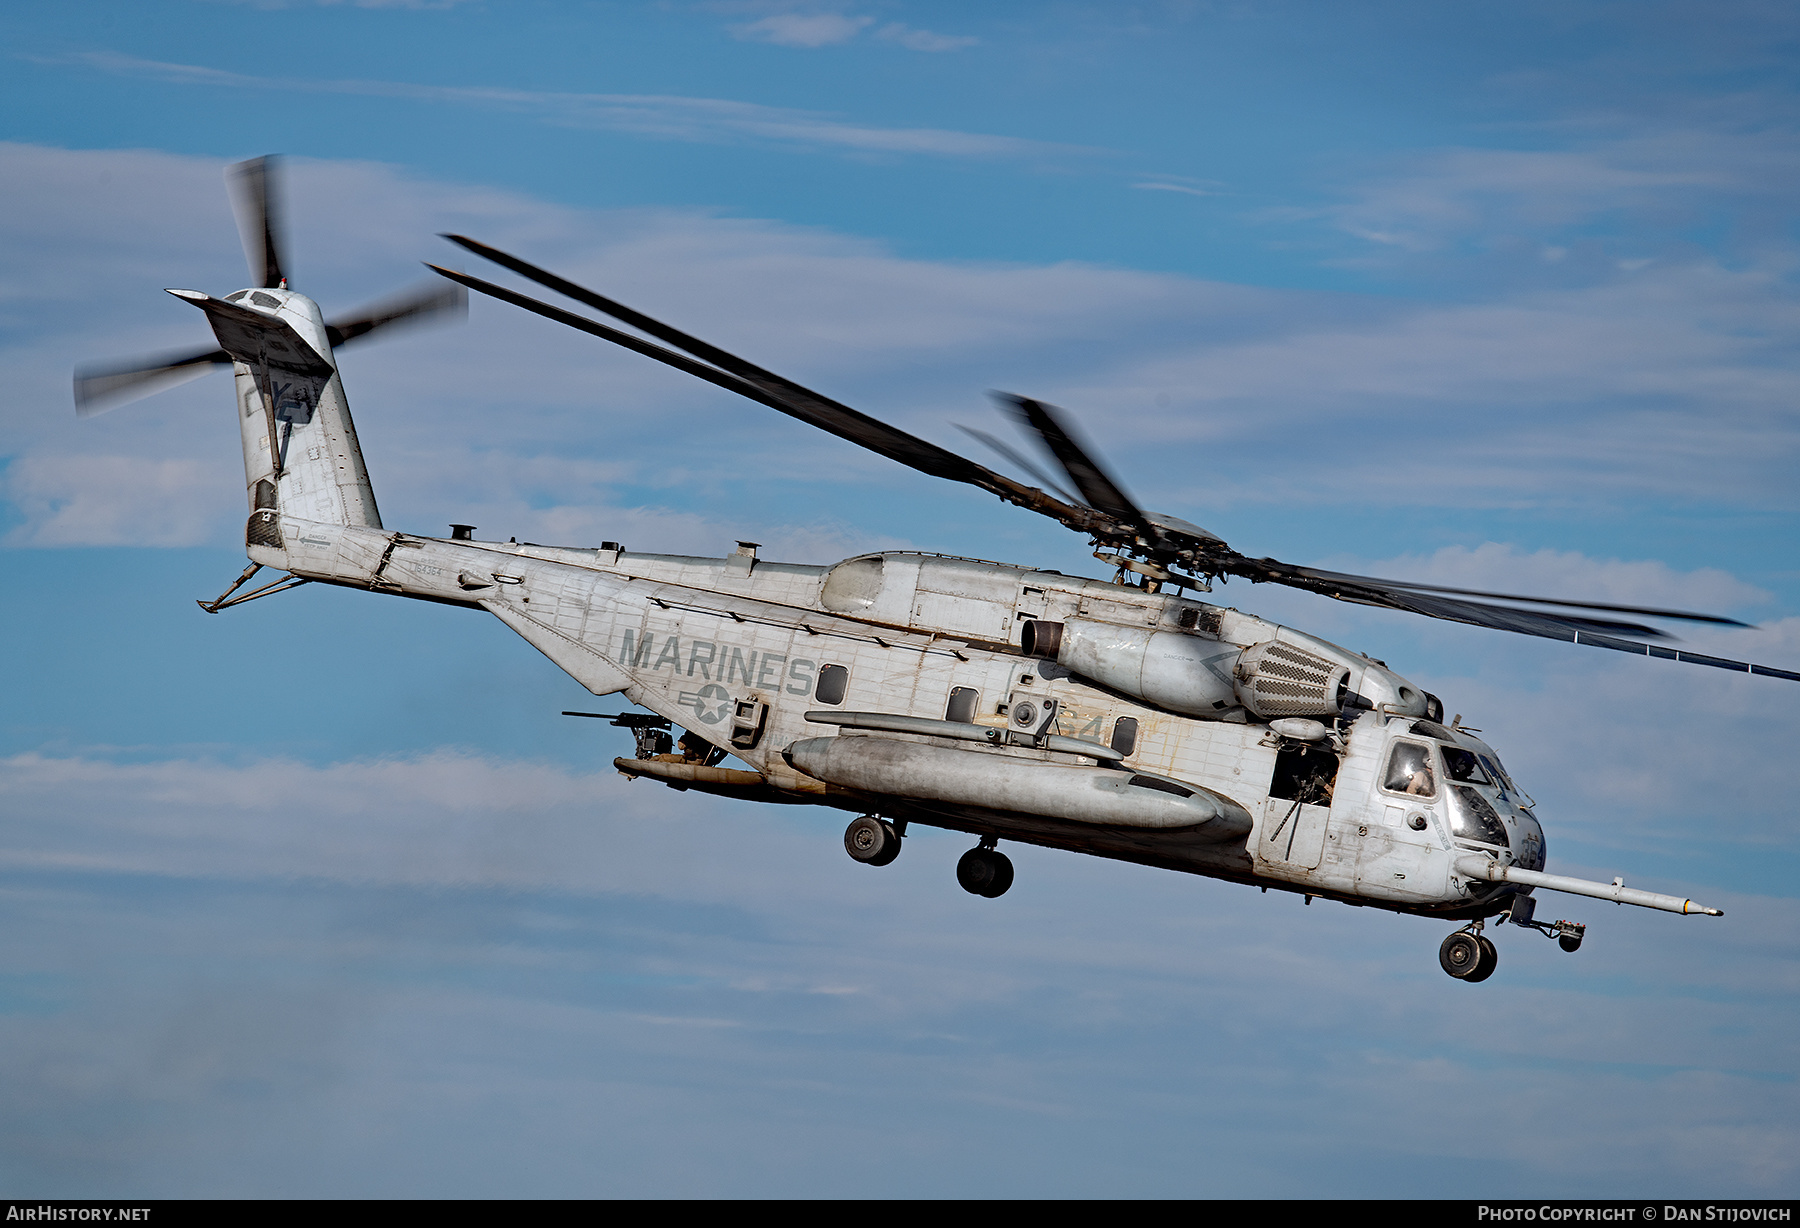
(1463, 765)
(1409, 770)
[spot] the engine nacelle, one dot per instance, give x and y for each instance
(1182, 673)
(1192, 675)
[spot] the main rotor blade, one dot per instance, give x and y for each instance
(784, 395)
(723, 359)
(1283, 573)
(1591, 632)
(255, 197)
(1021, 461)
(421, 305)
(1504, 618)
(1095, 485)
(1569, 628)
(103, 386)
(681, 362)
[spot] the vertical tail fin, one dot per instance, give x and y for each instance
(302, 460)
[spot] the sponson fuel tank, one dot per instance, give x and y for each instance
(1104, 797)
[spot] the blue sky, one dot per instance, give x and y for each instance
(320, 896)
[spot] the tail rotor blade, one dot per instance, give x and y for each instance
(422, 305)
(255, 198)
(103, 386)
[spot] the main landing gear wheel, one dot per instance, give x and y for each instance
(872, 841)
(985, 872)
(1468, 957)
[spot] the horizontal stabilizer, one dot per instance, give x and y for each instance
(256, 338)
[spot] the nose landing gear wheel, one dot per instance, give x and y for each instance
(985, 872)
(871, 841)
(1468, 957)
(1490, 959)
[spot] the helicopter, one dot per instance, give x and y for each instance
(1123, 718)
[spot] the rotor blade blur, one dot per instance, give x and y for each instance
(423, 305)
(1097, 488)
(1019, 460)
(256, 201)
(103, 386)
(798, 402)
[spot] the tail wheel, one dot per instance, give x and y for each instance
(871, 841)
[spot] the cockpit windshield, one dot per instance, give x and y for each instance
(1464, 765)
(1492, 762)
(1472, 818)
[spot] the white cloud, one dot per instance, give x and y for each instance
(1162, 186)
(924, 40)
(1666, 172)
(807, 30)
(112, 501)
(668, 117)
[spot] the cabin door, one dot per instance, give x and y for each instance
(1292, 833)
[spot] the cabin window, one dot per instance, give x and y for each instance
(962, 705)
(1124, 739)
(1409, 770)
(834, 684)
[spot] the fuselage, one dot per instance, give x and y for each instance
(702, 640)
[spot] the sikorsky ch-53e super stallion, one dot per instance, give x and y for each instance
(1121, 718)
